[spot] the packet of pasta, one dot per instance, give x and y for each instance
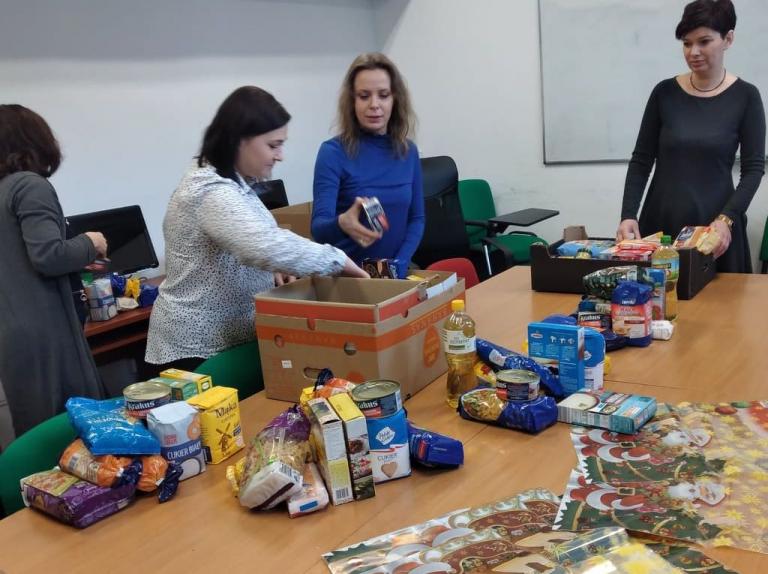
(275, 459)
(484, 405)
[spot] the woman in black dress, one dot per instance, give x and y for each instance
(692, 127)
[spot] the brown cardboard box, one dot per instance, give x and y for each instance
(361, 329)
(297, 218)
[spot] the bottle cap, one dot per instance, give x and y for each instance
(457, 305)
(666, 240)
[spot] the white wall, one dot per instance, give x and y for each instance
(129, 87)
(474, 74)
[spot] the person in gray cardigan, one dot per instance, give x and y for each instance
(222, 245)
(44, 356)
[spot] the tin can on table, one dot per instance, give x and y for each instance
(140, 398)
(377, 398)
(517, 385)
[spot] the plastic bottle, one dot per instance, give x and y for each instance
(666, 257)
(459, 346)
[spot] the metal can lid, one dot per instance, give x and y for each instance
(375, 389)
(146, 391)
(517, 376)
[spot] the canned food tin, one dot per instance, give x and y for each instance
(140, 398)
(378, 398)
(517, 385)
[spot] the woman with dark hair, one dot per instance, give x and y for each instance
(44, 356)
(222, 245)
(691, 129)
(371, 157)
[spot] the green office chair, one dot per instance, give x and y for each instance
(764, 249)
(478, 207)
(238, 367)
(36, 450)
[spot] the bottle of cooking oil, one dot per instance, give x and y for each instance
(667, 258)
(459, 345)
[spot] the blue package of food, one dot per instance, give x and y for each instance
(433, 449)
(484, 405)
(170, 483)
(501, 358)
(559, 319)
(631, 312)
(118, 284)
(105, 427)
(147, 295)
(613, 341)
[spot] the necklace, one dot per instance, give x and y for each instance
(690, 79)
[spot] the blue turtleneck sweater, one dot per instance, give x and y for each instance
(374, 172)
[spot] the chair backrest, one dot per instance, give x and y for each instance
(238, 367)
(271, 193)
(444, 233)
(36, 450)
(462, 266)
(476, 203)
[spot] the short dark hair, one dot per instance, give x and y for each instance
(26, 142)
(719, 15)
(247, 112)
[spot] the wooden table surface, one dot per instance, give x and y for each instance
(715, 355)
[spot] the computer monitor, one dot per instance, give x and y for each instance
(129, 245)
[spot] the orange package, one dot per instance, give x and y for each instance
(153, 469)
(100, 470)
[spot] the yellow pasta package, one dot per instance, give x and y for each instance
(222, 435)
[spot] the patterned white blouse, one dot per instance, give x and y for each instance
(222, 246)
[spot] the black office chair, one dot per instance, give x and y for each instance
(445, 235)
(272, 193)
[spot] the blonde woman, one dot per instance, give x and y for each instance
(370, 157)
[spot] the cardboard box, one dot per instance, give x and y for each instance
(220, 423)
(296, 218)
(203, 382)
(330, 449)
(559, 348)
(358, 448)
(180, 390)
(361, 329)
(555, 274)
(616, 412)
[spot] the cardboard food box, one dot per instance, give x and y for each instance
(358, 448)
(180, 390)
(361, 329)
(296, 218)
(616, 412)
(220, 423)
(202, 382)
(561, 349)
(556, 274)
(330, 449)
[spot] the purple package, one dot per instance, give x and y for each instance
(71, 500)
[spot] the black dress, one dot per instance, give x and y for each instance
(693, 142)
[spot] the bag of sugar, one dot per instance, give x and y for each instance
(177, 427)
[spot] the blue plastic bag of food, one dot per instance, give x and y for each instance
(434, 449)
(501, 358)
(484, 405)
(105, 427)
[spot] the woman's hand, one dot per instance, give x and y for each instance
(99, 242)
(283, 279)
(349, 222)
(628, 229)
(724, 233)
(352, 270)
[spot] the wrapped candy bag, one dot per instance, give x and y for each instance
(275, 460)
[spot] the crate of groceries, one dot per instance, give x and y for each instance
(561, 266)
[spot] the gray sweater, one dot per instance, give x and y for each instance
(222, 247)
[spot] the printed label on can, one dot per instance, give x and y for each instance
(378, 399)
(517, 385)
(390, 456)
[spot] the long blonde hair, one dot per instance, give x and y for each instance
(402, 122)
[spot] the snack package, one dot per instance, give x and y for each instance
(631, 312)
(593, 246)
(274, 462)
(485, 374)
(602, 282)
(484, 405)
(312, 497)
(106, 428)
(73, 500)
(105, 470)
(433, 449)
(503, 359)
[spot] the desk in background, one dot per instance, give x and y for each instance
(205, 530)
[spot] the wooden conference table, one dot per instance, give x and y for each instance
(717, 354)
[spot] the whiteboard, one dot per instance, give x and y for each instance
(600, 59)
